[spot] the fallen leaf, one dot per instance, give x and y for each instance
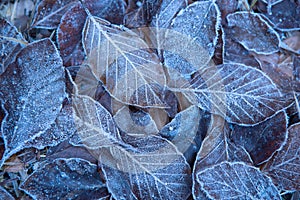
(236, 180)
(190, 42)
(131, 164)
(73, 178)
(240, 94)
(49, 12)
(32, 92)
(121, 60)
(253, 32)
(283, 168)
(69, 32)
(11, 41)
(264, 139)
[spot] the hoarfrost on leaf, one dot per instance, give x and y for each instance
(134, 167)
(283, 168)
(193, 45)
(236, 180)
(253, 32)
(241, 94)
(123, 62)
(11, 42)
(32, 91)
(61, 178)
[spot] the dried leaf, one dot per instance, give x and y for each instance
(191, 40)
(136, 123)
(236, 181)
(72, 178)
(33, 89)
(132, 166)
(183, 130)
(150, 168)
(241, 94)
(143, 15)
(234, 52)
(49, 12)
(69, 32)
(5, 195)
(11, 42)
(253, 32)
(284, 16)
(283, 168)
(262, 140)
(121, 60)
(167, 11)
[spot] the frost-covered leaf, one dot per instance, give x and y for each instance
(241, 94)
(190, 42)
(143, 14)
(215, 149)
(11, 42)
(283, 168)
(32, 91)
(63, 128)
(151, 168)
(71, 178)
(48, 13)
(67, 150)
(264, 139)
(5, 195)
(95, 125)
(236, 180)
(137, 123)
(183, 130)
(253, 32)
(69, 32)
(131, 167)
(279, 67)
(284, 16)
(167, 11)
(234, 52)
(122, 60)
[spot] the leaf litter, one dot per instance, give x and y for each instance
(152, 99)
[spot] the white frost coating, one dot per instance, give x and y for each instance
(284, 166)
(138, 163)
(199, 23)
(118, 57)
(253, 32)
(248, 95)
(37, 78)
(236, 180)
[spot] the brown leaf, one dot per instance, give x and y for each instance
(283, 168)
(264, 139)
